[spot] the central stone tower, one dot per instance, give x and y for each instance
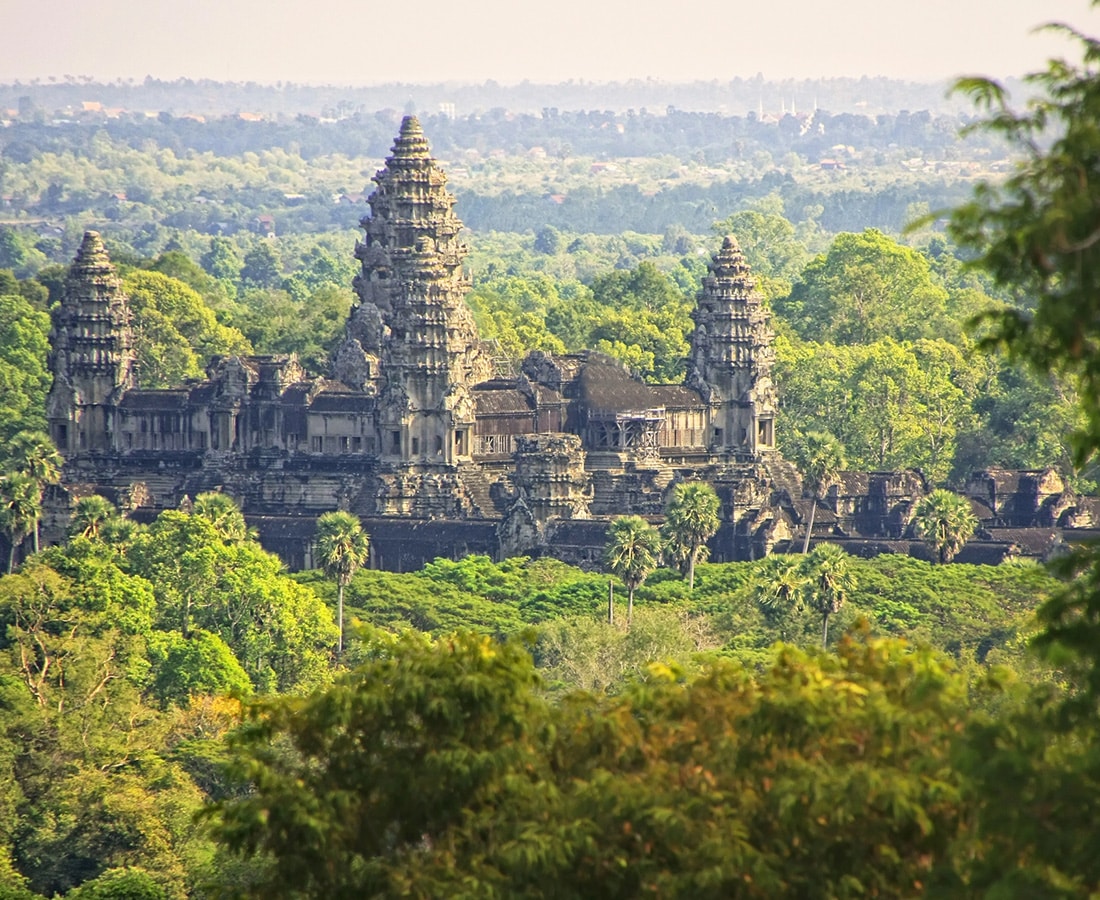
(411, 340)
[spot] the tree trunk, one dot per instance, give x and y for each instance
(629, 606)
(825, 632)
(610, 602)
(809, 527)
(691, 570)
(36, 525)
(11, 556)
(340, 619)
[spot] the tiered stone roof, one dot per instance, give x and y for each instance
(732, 356)
(91, 351)
(92, 324)
(411, 319)
(731, 320)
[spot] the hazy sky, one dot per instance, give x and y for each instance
(374, 41)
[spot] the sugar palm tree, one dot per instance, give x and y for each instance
(829, 583)
(120, 533)
(633, 548)
(89, 516)
(222, 512)
(33, 453)
(20, 510)
(820, 456)
(945, 521)
(342, 548)
(691, 519)
(780, 588)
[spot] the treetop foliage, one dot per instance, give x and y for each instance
(669, 789)
(1036, 232)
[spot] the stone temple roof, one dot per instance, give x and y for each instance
(411, 143)
(91, 257)
(606, 386)
(342, 401)
(158, 400)
(675, 396)
(501, 401)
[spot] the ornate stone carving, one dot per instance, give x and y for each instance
(356, 368)
(732, 356)
(550, 476)
(519, 532)
(446, 454)
(92, 356)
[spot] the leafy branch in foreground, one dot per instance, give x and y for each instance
(1038, 233)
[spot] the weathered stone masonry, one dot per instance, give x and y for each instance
(415, 433)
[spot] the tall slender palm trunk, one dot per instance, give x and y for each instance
(809, 527)
(340, 619)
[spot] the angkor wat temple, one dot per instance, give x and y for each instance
(438, 449)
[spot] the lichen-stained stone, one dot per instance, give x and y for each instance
(91, 352)
(442, 450)
(732, 357)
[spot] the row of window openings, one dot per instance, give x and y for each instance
(318, 443)
(343, 444)
(197, 440)
(765, 433)
(765, 437)
(340, 444)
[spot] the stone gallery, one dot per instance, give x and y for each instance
(435, 446)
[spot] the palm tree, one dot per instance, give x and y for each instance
(89, 516)
(691, 519)
(342, 548)
(820, 456)
(944, 521)
(830, 581)
(221, 511)
(633, 547)
(33, 453)
(120, 533)
(20, 510)
(780, 588)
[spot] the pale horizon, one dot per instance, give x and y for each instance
(342, 42)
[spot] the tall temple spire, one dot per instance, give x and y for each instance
(411, 339)
(732, 356)
(92, 357)
(411, 259)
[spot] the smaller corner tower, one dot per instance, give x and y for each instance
(91, 356)
(732, 356)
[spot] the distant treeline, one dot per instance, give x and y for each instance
(739, 95)
(696, 207)
(870, 189)
(705, 137)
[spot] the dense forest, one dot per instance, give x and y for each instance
(183, 718)
(583, 171)
(129, 651)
